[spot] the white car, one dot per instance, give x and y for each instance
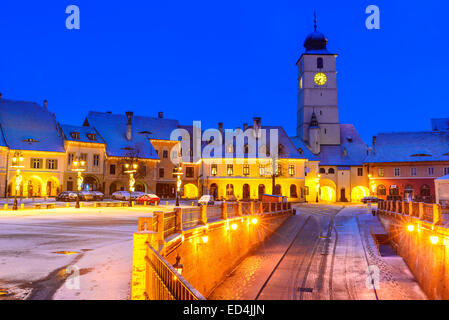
(206, 200)
(124, 195)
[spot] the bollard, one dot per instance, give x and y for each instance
(251, 208)
(193, 204)
(81, 204)
(421, 210)
(178, 220)
(224, 210)
(5, 206)
(203, 210)
(67, 204)
(22, 206)
(166, 203)
(437, 220)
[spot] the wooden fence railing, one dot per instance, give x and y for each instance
(424, 211)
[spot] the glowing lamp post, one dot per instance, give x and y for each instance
(178, 266)
(178, 174)
(372, 184)
(79, 165)
(317, 180)
(17, 159)
(131, 168)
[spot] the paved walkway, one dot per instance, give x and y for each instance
(321, 253)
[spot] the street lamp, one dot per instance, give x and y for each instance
(78, 165)
(372, 184)
(16, 160)
(178, 173)
(317, 180)
(131, 168)
(178, 266)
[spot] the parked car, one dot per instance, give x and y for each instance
(372, 199)
(86, 195)
(206, 200)
(149, 198)
(98, 196)
(124, 195)
(120, 195)
(66, 196)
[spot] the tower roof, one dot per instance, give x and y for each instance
(316, 41)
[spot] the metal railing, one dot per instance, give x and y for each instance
(433, 213)
(231, 209)
(169, 224)
(214, 213)
(191, 217)
(163, 282)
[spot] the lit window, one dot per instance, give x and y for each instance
(92, 136)
(397, 172)
(70, 158)
(230, 148)
(230, 169)
(213, 169)
(381, 172)
(279, 170)
(52, 164)
(246, 169)
(300, 83)
(75, 135)
(96, 160)
(291, 170)
(36, 163)
(190, 172)
(262, 170)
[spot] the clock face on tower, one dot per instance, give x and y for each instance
(320, 78)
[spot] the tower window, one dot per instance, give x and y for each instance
(319, 63)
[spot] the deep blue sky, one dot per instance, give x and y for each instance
(226, 60)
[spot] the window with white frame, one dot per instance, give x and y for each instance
(96, 160)
(381, 172)
(397, 172)
(446, 171)
(430, 171)
(413, 172)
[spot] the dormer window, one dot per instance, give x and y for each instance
(92, 136)
(75, 135)
(349, 139)
(30, 140)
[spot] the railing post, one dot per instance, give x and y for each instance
(410, 208)
(203, 214)
(139, 265)
(421, 210)
(272, 207)
(239, 209)
(437, 220)
(160, 225)
(261, 207)
(224, 210)
(399, 206)
(178, 220)
(251, 207)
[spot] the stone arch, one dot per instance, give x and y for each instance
(116, 186)
(141, 186)
(358, 193)
(328, 190)
(293, 191)
(246, 192)
(34, 186)
(190, 191)
(213, 190)
(91, 183)
(53, 187)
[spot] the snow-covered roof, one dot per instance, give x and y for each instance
(84, 133)
(112, 128)
(351, 152)
(443, 178)
(289, 151)
(410, 147)
(29, 126)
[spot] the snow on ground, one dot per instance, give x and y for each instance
(99, 241)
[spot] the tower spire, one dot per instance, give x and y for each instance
(314, 20)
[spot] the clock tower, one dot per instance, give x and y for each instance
(317, 92)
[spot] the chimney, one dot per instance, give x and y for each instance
(220, 128)
(45, 104)
(160, 114)
(129, 117)
(109, 112)
(256, 125)
(245, 126)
